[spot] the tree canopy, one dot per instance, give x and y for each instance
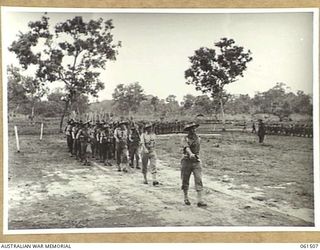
(212, 69)
(127, 98)
(73, 52)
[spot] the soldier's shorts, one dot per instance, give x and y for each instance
(187, 167)
(134, 151)
(152, 157)
(122, 154)
(83, 150)
(70, 143)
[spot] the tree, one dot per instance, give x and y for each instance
(35, 90)
(128, 98)
(239, 104)
(16, 92)
(302, 103)
(24, 89)
(73, 52)
(210, 70)
(203, 104)
(188, 101)
(271, 100)
(154, 101)
(56, 98)
(172, 103)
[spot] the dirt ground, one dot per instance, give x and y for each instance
(246, 184)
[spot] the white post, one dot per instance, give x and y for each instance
(41, 131)
(17, 138)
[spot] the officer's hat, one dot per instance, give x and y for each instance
(188, 126)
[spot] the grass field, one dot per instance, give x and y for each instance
(246, 184)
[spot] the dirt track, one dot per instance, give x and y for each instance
(51, 190)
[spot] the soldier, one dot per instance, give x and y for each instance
(83, 137)
(103, 144)
(148, 140)
(121, 138)
(68, 131)
(91, 132)
(75, 130)
(110, 146)
(261, 131)
(97, 140)
(253, 131)
(134, 146)
(190, 163)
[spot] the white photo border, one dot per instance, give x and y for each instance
(316, 227)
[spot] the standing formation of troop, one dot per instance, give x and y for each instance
(285, 129)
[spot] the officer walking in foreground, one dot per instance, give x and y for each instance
(261, 131)
(148, 141)
(190, 163)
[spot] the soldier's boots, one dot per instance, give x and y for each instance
(186, 198)
(155, 183)
(202, 204)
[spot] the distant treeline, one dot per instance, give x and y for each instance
(130, 100)
(278, 101)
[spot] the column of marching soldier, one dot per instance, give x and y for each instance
(121, 141)
(118, 142)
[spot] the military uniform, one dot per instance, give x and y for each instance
(105, 144)
(190, 163)
(148, 141)
(121, 137)
(261, 131)
(97, 147)
(83, 137)
(76, 144)
(134, 147)
(68, 132)
(92, 136)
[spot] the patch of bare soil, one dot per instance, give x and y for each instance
(49, 189)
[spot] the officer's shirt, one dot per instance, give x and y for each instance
(192, 142)
(148, 141)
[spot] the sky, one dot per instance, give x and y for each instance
(155, 48)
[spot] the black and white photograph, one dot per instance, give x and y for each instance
(160, 120)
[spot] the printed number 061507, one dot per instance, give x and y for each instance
(310, 246)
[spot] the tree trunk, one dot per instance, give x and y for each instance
(63, 115)
(222, 115)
